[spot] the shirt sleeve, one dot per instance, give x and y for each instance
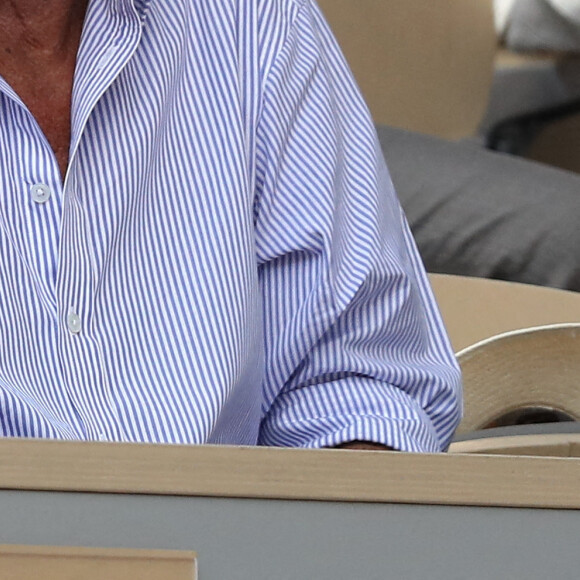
(355, 348)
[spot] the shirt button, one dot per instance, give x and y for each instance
(73, 321)
(40, 192)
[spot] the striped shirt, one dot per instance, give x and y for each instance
(225, 260)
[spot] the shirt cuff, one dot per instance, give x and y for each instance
(326, 415)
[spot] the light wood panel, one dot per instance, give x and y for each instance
(325, 475)
(475, 308)
(545, 445)
(424, 65)
(68, 563)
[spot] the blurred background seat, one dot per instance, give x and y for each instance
(534, 107)
(443, 68)
(426, 68)
(422, 65)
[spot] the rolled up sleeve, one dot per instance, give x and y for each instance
(355, 347)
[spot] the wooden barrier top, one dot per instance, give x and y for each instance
(292, 474)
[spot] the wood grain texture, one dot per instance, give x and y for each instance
(545, 445)
(293, 474)
(62, 563)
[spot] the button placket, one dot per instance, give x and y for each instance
(81, 358)
(71, 239)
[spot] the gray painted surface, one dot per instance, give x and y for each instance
(240, 539)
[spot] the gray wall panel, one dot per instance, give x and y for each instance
(241, 539)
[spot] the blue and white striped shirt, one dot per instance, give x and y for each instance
(226, 260)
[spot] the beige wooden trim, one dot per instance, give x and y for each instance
(19, 562)
(547, 445)
(326, 475)
(93, 553)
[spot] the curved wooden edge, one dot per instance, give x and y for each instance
(545, 445)
(290, 474)
(565, 331)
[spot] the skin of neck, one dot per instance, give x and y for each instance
(39, 41)
(43, 29)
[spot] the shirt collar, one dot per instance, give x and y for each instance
(141, 7)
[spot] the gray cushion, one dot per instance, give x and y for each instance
(478, 213)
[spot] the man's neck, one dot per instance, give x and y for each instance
(39, 41)
(45, 29)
